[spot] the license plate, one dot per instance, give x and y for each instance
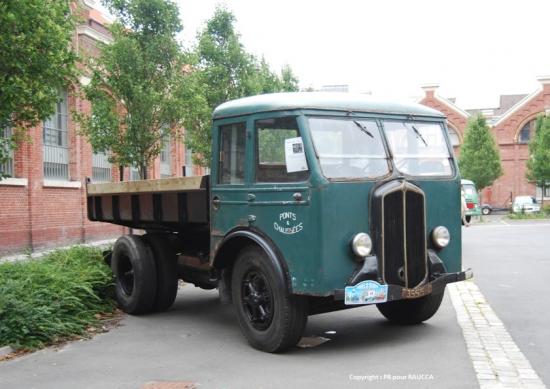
(366, 292)
(416, 292)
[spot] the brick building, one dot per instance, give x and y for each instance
(512, 124)
(43, 203)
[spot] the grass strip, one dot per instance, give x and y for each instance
(57, 297)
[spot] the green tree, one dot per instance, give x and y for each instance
(227, 71)
(289, 81)
(141, 84)
(538, 165)
(36, 61)
(479, 156)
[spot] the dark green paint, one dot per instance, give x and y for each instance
(319, 256)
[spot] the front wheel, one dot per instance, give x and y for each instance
(411, 311)
(485, 211)
(269, 318)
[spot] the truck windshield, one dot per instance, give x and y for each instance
(418, 149)
(349, 148)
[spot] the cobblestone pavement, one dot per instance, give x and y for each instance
(497, 360)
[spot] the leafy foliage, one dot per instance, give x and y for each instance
(37, 60)
(479, 156)
(142, 84)
(538, 165)
(228, 72)
(43, 301)
(271, 144)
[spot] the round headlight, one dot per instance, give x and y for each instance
(361, 244)
(441, 236)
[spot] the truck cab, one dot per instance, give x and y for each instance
(319, 202)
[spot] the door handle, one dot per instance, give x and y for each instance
(216, 202)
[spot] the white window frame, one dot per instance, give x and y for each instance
(134, 174)
(101, 167)
(55, 138)
(189, 162)
(7, 167)
(165, 158)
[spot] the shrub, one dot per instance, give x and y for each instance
(546, 209)
(47, 300)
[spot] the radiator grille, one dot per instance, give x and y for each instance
(416, 238)
(394, 250)
(403, 236)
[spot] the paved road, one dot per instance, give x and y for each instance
(511, 262)
(199, 341)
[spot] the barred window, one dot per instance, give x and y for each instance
(55, 138)
(188, 162)
(101, 167)
(134, 173)
(165, 163)
(6, 168)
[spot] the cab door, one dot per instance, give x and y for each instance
(279, 193)
(230, 179)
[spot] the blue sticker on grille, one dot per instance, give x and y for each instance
(366, 292)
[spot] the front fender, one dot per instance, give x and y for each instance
(236, 240)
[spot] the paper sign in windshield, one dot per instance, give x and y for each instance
(295, 156)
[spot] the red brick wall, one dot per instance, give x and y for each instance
(513, 155)
(35, 216)
(456, 119)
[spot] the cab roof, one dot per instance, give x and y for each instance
(331, 101)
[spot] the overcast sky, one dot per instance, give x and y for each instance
(475, 50)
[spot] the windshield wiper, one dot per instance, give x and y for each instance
(363, 128)
(419, 135)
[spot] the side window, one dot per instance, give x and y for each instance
(270, 150)
(232, 153)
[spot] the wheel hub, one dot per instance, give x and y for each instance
(257, 300)
(125, 275)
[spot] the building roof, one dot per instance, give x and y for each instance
(507, 102)
(323, 101)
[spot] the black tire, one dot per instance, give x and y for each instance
(411, 311)
(468, 218)
(135, 275)
(166, 270)
(255, 283)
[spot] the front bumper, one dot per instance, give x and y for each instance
(397, 292)
(436, 281)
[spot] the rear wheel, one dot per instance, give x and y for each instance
(270, 319)
(486, 211)
(135, 274)
(411, 311)
(166, 270)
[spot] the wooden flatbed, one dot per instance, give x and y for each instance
(171, 204)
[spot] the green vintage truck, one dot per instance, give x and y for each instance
(316, 202)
